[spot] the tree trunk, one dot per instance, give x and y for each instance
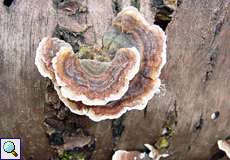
(195, 79)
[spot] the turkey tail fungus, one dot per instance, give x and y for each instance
(105, 88)
(94, 82)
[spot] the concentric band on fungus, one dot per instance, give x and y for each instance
(47, 50)
(149, 45)
(79, 82)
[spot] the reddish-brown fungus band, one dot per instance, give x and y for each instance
(107, 89)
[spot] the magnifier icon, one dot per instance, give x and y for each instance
(9, 147)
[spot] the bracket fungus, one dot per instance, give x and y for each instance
(130, 155)
(135, 155)
(224, 145)
(94, 82)
(126, 79)
(47, 50)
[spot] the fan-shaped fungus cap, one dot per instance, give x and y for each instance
(94, 82)
(46, 50)
(119, 87)
(149, 39)
(224, 146)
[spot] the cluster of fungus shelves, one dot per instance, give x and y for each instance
(106, 90)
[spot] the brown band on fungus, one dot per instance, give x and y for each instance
(94, 82)
(129, 29)
(46, 50)
(150, 40)
(116, 108)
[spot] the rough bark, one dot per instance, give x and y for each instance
(196, 77)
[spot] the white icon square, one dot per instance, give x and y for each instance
(10, 148)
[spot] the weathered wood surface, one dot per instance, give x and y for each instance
(196, 77)
(21, 87)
